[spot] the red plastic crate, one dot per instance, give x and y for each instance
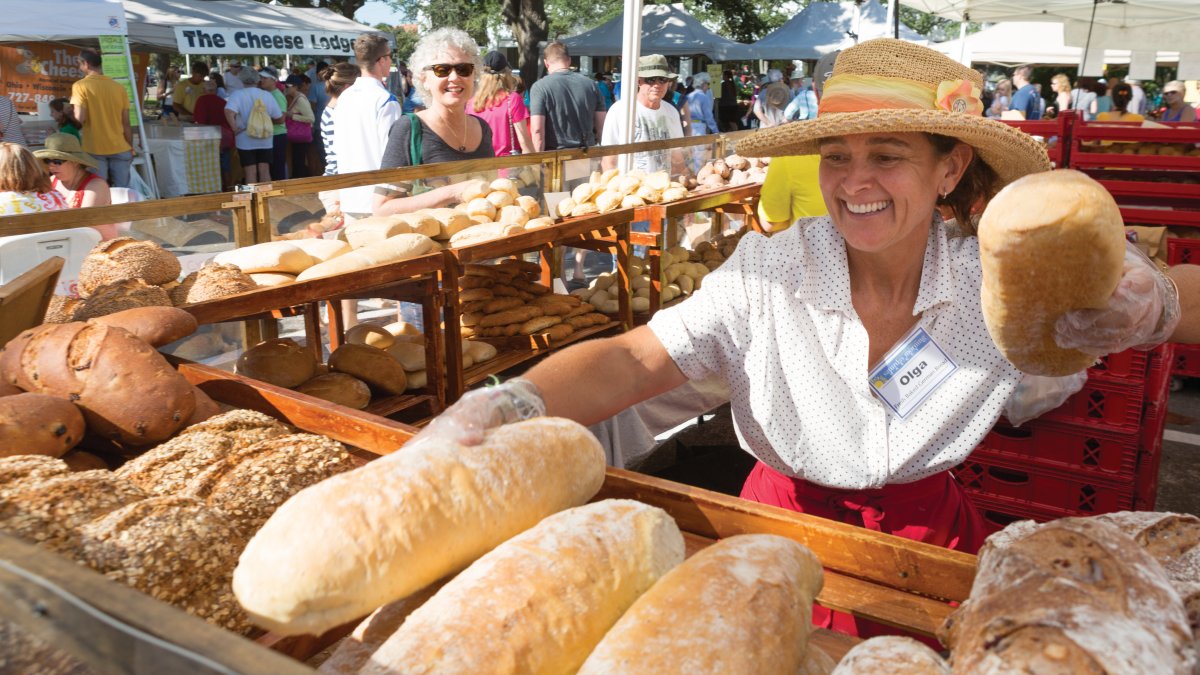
(997, 513)
(1154, 421)
(1044, 489)
(1082, 448)
(1183, 251)
(1130, 364)
(1186, 361)
(1106, 402)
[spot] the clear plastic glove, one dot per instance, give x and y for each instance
(1142, 313)
(1037, 394)
(471, 416)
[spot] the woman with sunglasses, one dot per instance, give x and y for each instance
(445, 67)
(24, 183)
(1177, 109)
(68, 165)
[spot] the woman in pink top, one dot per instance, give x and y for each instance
(496, 103)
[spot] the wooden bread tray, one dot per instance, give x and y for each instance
(877, 576)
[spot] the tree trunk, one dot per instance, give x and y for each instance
(527, 21)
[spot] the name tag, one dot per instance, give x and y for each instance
(910, 372)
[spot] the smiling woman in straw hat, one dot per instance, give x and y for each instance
(859, 366)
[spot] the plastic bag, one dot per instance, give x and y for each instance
(1036, 395)
(259, 124)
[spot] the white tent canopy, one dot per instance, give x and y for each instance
(667, 30)
(1014, 43)
(65, 20)
(825, 27)
(151, 24)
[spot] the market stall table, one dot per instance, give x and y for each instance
(187, 159)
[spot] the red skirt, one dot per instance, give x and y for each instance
(934, 510)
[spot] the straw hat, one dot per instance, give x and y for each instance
(655, 65)
(65, 147)
(888, 85)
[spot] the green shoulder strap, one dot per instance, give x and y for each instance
(414, 139)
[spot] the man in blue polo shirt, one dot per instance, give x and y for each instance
(1026, 98)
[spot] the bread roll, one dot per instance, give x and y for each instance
(401, 328)
(368, 334)
(157, 326)
(705, 616)
(891, 655)
(377, 368)
(1073, 595)
(126, 258)
(338, 388)
(504, 185)
(530, 205)
(320, 249)
(513, 214)
(281, 362)
(270, 256)
(541, 601)
(474, 189)
(37, 424)
(268, 279)
(417, 380)
(379, 533)
(481, 351)
(422, 223)
(452, 220)
(410, 355)
(127, 391)
(481, 207)
(500, 199)
(1048, 243)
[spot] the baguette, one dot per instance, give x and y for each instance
(362, 539)
(511, 316)
(539, 324)
(1048, 243)
(541, 601)
(501, 304)
(705, 616)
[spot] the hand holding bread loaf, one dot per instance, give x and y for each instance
(1048, 243)
(343, 547)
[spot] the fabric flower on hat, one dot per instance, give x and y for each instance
(960, 96)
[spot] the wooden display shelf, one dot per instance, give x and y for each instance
(601, 231)
(872, 575)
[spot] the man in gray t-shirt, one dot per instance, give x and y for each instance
(565, 107)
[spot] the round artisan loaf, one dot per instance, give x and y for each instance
(127, 391)
(37, 424)
(372, 365)
(52, 512)
(211, 282)
(369, 334)
(118, 297)
(338, 388)
(540, 602)
(891, 655)
(359, 540)
(705, 616)
(156, 325)
(126, 258)
(1048, 243)
(281, 362)
(270, 256)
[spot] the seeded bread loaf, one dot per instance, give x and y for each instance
(211, 282)
(24, 470)
(119, 296)
(357, 541)
(53, 511)
(541, 601)
(126, 258)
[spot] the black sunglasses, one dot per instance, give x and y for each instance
(54, 162)
(443, 69)
(656, 80)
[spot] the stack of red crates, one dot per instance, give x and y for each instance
(1187, 357)
(1099, 452)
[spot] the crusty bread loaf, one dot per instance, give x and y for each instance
(478, 234)
(891, 655)
(211, 282)
(705, 616)
(422, 223)
(157, 326)
(338, 388)
(369, 334)
(320, 249)
(281, 362)
(1165, 536)
(37, 424)
(61, 309)
(540, 602)
(394, 249)
(347, 262)
(126, 258)
(126, 390)
(365, 538)
(453, 221)
(1073, 595)
(269, 256)
(355, 651)
(1048, 243)
(372, 365)
(52, 512)
(372, 230)
(119, 296)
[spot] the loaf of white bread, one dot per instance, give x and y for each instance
(541, 601)
(1048, 243)
(891, 655)
(341, 548)
(706, 615)
(1074, 595)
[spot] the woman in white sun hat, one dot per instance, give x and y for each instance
(796, 323)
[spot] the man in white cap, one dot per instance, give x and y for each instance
(231, 79)
(652, 122)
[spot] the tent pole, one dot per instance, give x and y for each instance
(893, 17)
(631, 49)
(151, 179)
(962, 40)
(187, 63)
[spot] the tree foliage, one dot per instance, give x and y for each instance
(346, 8)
